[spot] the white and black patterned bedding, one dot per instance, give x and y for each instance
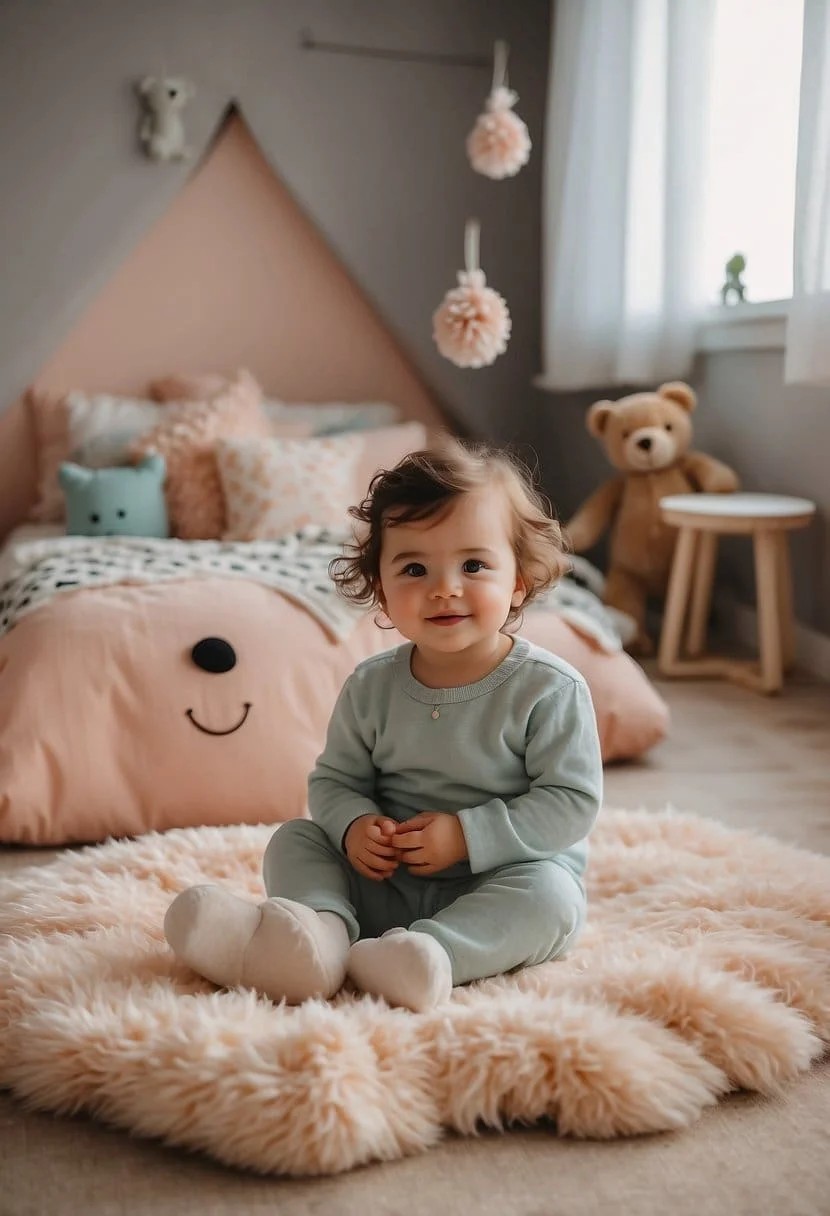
(37, 568)
(36, 571)
(578, 600)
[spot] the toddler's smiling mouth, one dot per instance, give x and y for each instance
(447, 618)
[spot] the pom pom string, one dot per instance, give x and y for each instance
(499, 143)
(501, 51)
(471, 242)
(472, 326)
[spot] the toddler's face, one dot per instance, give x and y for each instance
(448, 584)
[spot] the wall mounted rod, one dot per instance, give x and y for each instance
(309, 43)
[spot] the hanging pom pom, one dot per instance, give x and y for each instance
(472, 326)
(499, 143)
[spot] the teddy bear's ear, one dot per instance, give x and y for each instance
(598, 416)
(677, 391)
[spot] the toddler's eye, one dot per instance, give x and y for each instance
(473, 565)
(414, 570)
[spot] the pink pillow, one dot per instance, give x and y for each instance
(187, 438)
(50, 419)
(631, 714)
(384, 446)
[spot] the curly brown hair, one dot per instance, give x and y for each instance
(424, 485)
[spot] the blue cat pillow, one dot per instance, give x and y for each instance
(115, 502)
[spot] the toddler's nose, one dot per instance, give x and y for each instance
(445, 586)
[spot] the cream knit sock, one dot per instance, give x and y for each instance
(409, 969)
(279, 947)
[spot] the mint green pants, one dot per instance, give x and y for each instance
(489, 923)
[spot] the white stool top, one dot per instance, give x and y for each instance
(740, 506)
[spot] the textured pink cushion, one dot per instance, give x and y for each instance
(186, 439)
(186, 386)
(273, 487)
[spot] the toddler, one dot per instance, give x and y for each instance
(461, 772)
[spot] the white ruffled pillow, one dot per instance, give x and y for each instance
(273, 487)
(92, 429)
(102, 425)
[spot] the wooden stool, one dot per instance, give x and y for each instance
(702, 518)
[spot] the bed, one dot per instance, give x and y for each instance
(150, 683)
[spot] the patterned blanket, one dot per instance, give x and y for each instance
(296, 565)
(578, 600)
(35, 571)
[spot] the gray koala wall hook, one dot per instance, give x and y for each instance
(162, 128)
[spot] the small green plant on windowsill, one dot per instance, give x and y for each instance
(734, 284)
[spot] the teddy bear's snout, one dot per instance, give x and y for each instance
(651, 447)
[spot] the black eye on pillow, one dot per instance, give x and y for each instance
(214, 654)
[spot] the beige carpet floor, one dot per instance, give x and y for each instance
(734, 756)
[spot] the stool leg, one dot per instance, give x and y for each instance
(785, 600)
(769, 620)
(702, 593)
(680, 582)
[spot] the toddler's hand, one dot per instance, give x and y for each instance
(368, 849)
(430, 842)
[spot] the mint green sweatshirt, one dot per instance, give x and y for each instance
(516, 756)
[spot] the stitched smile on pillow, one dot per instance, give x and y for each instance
(216, 655)
(206, 730)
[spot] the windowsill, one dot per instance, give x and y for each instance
(747, 326)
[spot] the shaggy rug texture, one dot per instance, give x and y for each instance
(703, 968)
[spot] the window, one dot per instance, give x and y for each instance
(751, 145)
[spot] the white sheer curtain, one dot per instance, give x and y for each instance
(808, 327)
(626, 128)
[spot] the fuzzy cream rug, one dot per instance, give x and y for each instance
(703, 968)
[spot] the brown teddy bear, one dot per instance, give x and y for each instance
(647, 437)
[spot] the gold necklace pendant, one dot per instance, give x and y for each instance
(435, 713)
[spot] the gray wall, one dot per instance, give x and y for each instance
(778, 437)
(372, 149)
(775, 435)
